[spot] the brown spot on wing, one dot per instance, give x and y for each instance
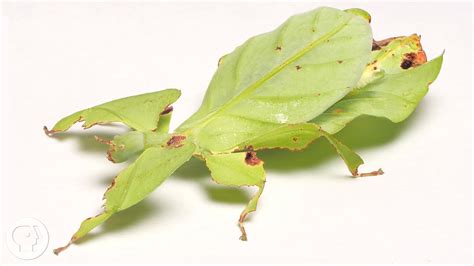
(252, 159)
(406, 64)
(175, 141)
(413, 59)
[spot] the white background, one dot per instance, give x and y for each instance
(59, 58)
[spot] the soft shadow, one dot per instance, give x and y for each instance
(287, 161)
(364, 132)
(87, 140)
(230, 195)
(368, 132)
(194, 169)
(107, 180)
(125, 219)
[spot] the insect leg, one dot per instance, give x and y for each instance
(352, 159)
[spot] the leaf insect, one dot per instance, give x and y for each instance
(284, 89)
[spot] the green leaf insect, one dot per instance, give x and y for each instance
(283, 89)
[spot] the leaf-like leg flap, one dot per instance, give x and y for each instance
(165, 119)
(129, 145)
(134, 183)
(85, 227)
(238, 169)
(352, 159)
(140, 112)
(251, 207)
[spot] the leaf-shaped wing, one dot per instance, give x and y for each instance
(134, 183)
(389, 91)
(140, 112)
(386, 89)
(289, 75)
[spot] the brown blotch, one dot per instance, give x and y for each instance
(338, 110)
(339, 61)
(406, 64)
(295, 139)
(298, 67)
(252, 159)
(413, 59)
(420, 58)
(375, 46)
(176, 141)
(278, 48)
(168, 109)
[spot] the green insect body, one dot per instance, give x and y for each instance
(283, 89)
